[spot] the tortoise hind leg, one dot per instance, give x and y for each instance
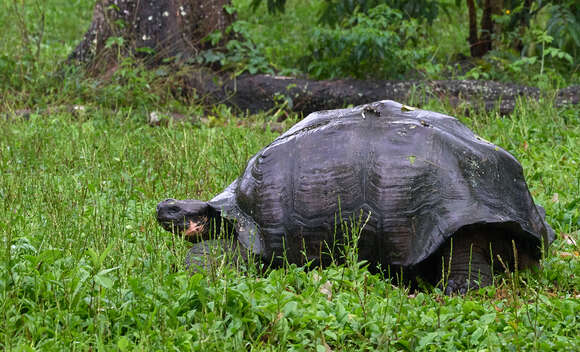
(466, 262)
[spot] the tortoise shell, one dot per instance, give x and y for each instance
(417, 177)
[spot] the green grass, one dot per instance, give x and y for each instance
(84, 266)
(30, 47)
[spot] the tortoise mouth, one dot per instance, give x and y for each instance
(181, 224)
(177, 216)
(172, 217)
(174, 226)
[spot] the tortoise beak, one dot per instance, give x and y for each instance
(175, 215)
(168, 215)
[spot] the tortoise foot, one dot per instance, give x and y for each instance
(468, 258)
(461, 284)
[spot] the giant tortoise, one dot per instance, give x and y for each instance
(434, 197)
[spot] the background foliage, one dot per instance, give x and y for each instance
(380, 42)
(536, 45)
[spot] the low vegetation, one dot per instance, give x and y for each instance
(84, 266)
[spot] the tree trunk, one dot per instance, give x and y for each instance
(475, 47)
(486, 27)
(160, 29)
(481, 42)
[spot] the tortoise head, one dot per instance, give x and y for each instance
(189, 216)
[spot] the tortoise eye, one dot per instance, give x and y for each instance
(173, 209)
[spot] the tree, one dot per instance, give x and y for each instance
(480, 43)
(480, 40)
(562, 24)
(165, 31)
(158, 30)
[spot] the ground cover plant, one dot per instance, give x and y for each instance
(84, 266)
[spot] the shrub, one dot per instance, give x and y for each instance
(372, 45)
(336, 11)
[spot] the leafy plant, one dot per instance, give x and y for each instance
(273, 5)
(240, 54)
(130, 84)
(564, 27)
(367, 45)
(336, 12)
(560, 18)
(542, 67)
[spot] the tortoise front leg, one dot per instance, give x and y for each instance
(466, 262)
(209, 255)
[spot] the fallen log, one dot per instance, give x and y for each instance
(256, 93)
